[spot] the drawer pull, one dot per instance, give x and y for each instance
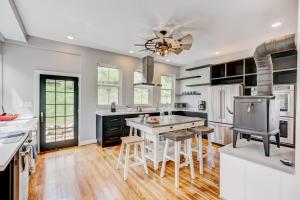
(171, 126)
(113, 129)
(193, 124)
(112, 120)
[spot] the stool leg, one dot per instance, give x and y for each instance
(135, 147)
(131, 130)
(126, 161)
(142, 145)
(197, 145)
(190, 155)
(200, 153)
(163, 167)
(177, 162)
(211, 152)
(186, 158)
(120, 155)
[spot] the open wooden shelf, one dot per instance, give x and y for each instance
(188, 77)
(200, 84)
(196, 68)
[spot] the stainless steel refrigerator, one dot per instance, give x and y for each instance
(220, 116)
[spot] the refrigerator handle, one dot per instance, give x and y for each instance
(221, 105)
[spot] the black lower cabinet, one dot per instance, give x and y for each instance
(7, 182)
(110, 129)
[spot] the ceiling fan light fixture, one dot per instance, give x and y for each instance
(164, 43)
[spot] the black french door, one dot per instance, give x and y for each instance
(58, 112)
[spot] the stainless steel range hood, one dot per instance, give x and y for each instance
(148, 73)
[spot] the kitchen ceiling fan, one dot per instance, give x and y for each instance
(164, 43)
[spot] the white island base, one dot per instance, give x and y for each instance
(246, 174)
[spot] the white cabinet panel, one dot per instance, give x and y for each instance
(262, 183)
(290, 187)
(232, 172)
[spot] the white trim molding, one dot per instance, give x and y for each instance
(37, 93)
(94, 141)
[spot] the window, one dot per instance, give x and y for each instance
(167, 89)
(108, 85)
(141, 94)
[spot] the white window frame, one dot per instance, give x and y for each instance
(172, 90)
(150, 93)
(119, 85)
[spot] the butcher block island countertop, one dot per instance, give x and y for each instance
(167, 120)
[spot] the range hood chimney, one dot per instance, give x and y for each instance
(148, 72)
(263, 60)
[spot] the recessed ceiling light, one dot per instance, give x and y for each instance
(70, 37)
(131, 52)
(277, 24)
(218, 52)
(167, 60)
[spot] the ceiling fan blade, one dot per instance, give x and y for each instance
(139, 44)
(143, 50)
(185, 46)
(187, 39)
(177, 51)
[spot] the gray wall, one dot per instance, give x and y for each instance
(21, 60)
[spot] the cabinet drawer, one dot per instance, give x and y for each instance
(112, 121)
(180, 126)
(113, 128)
(111, 134)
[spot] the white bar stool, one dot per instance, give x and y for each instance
(199, 132)
(132, 140)
(178, 137)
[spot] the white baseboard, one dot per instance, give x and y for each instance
(87, 142)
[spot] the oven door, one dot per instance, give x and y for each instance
(286, 131)
(286, 99)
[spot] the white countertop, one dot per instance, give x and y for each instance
(253, 151)
(7, 151)
(128, 112)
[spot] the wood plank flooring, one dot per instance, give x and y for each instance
(89, 172)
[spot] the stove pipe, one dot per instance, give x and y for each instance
(263, 60)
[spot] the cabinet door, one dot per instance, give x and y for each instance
(232, 178)
(262, 183)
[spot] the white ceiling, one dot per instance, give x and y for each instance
(227, 26)
(10, 24)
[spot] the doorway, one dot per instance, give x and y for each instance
(58, 112)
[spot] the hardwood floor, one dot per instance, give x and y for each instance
(89, 172)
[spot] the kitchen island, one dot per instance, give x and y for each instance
(151, 132)
(246, 173)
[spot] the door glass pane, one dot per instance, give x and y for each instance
(50, 123)
(50, 110)
(69, 98)
(60, 134)
(60, 98)
(60, 86)
(50, 85)
(50, 135)
(70, 86)
(69, 110)
(70, 121)
(69, 133)
(60, 122)
(60, 110)
(50, 98)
